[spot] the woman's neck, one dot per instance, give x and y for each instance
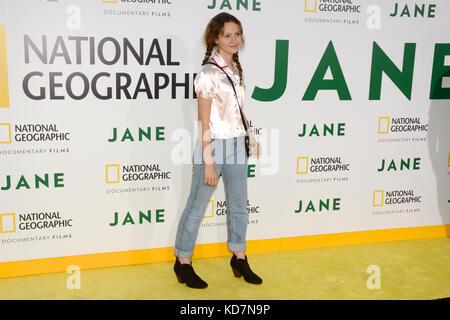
(227, 57)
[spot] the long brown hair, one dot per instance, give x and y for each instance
(212, 32)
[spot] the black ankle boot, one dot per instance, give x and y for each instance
(241, 268)
(185, 273)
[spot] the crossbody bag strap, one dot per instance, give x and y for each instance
(234, 89)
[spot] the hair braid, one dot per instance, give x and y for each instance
(208, 52)
(239, 67)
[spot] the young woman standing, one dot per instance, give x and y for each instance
(220, 150)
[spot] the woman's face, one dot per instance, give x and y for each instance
(230, 38)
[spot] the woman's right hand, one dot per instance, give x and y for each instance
(210, 174)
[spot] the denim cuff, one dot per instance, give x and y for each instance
(237, 247)
(183, 254)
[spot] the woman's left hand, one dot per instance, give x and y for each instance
(255, 149)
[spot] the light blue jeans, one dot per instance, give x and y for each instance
(230, 160)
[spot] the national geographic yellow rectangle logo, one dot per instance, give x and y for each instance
(4, 91)
(211, 215)
(109, 1)
(378, 198)
(7, 222)
(302, 165)
(310, 5)
(383, 125)
(5, 133)
(112, 173)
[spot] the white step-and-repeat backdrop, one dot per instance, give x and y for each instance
(350, 101)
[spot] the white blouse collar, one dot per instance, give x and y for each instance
(221, 61)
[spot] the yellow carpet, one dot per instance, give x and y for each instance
(413, 269)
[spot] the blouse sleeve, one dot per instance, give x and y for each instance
(206, 83)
